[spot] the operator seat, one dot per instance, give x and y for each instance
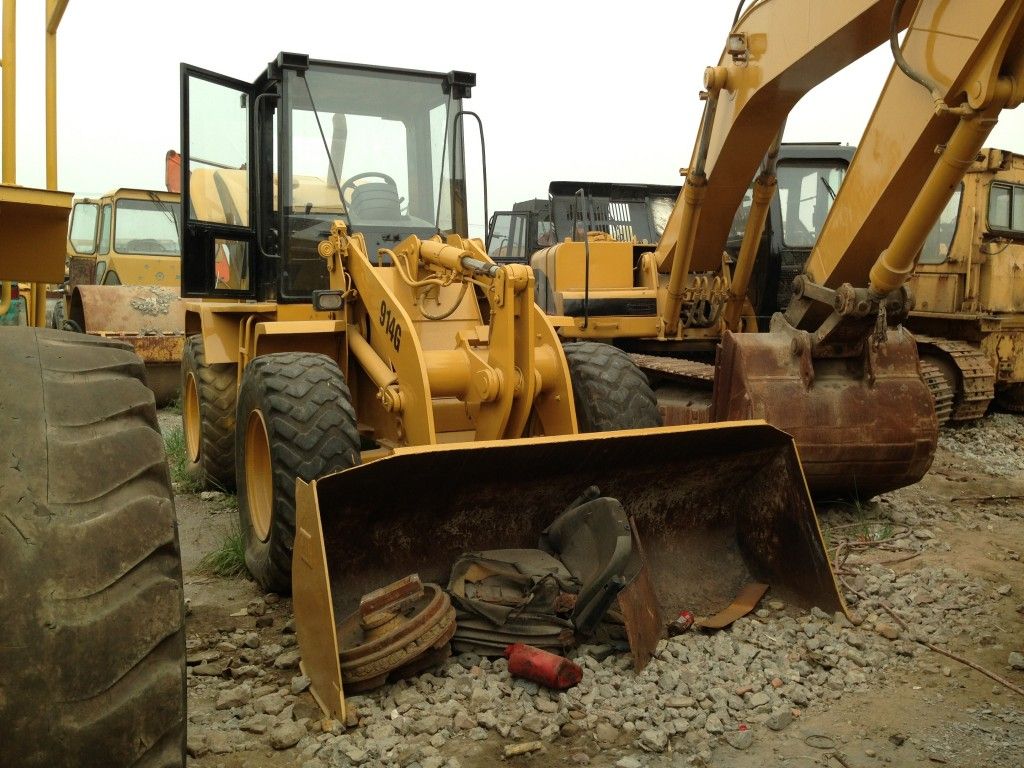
(375, 200)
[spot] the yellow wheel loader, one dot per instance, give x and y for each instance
(124, 266)
(393, 399)
(838, 370)
(92, 662)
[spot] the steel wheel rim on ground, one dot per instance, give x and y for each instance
(259, 477)
(190, 411)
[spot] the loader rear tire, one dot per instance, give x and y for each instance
(295, 420)
(92, 658)
(208, 394)
(610, 391)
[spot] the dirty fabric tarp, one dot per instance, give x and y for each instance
(511, 595)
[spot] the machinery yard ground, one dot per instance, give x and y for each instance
(778, 688)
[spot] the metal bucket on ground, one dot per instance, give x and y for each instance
(716, 507)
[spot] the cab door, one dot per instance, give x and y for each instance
(218, 238)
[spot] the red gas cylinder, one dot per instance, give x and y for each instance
(542, 667)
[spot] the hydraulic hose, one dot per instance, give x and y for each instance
(897, 54)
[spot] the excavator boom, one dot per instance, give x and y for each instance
(960, 47)
(777, 52)
(837, 371)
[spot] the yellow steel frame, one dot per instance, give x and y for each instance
(503, 379)
(10, 266)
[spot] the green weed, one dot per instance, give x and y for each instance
(177, 462)
(228, 560)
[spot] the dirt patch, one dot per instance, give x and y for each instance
(963, 585)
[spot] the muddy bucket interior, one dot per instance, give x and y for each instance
(716, 507)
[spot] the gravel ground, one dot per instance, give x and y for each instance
(779, 687)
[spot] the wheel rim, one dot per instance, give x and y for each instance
(190, 414)
(259, 478)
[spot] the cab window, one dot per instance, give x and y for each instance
(1006, 208)
(104, 238)
(83, 228)
(507, 239)
(940, 239)
(806, 194)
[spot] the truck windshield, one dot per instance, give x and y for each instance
(147, 227)
(368, 145)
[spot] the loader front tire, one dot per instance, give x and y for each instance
(610, 391)
(295, 420)
(92, 660)
(208, 394)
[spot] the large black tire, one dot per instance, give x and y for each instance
(92, 657)
(57, 316)
(610, 391)
(208, 417)
(302, 405)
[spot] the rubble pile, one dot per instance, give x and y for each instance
(700, 691)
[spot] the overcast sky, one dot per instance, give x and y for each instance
(599, 92)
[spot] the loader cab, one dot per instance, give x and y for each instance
(271, 164)
(512, 236)
(625, 212)
(809, 176)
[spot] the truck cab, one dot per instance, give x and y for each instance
(125, 237)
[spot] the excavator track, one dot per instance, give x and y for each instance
(976, 376)
(683, 387)
(941, 391)
(677, 369)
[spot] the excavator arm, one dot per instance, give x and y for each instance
(921, 140)
(777, 52)
(837, 371)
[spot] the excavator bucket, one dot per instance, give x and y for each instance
(717, 509)
(150, 318)
(864, 425)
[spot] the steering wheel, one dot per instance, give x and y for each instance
(351, 182)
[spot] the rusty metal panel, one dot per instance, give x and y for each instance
(641, 613)
(128, 309)
(155, 349)
(863, 426)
